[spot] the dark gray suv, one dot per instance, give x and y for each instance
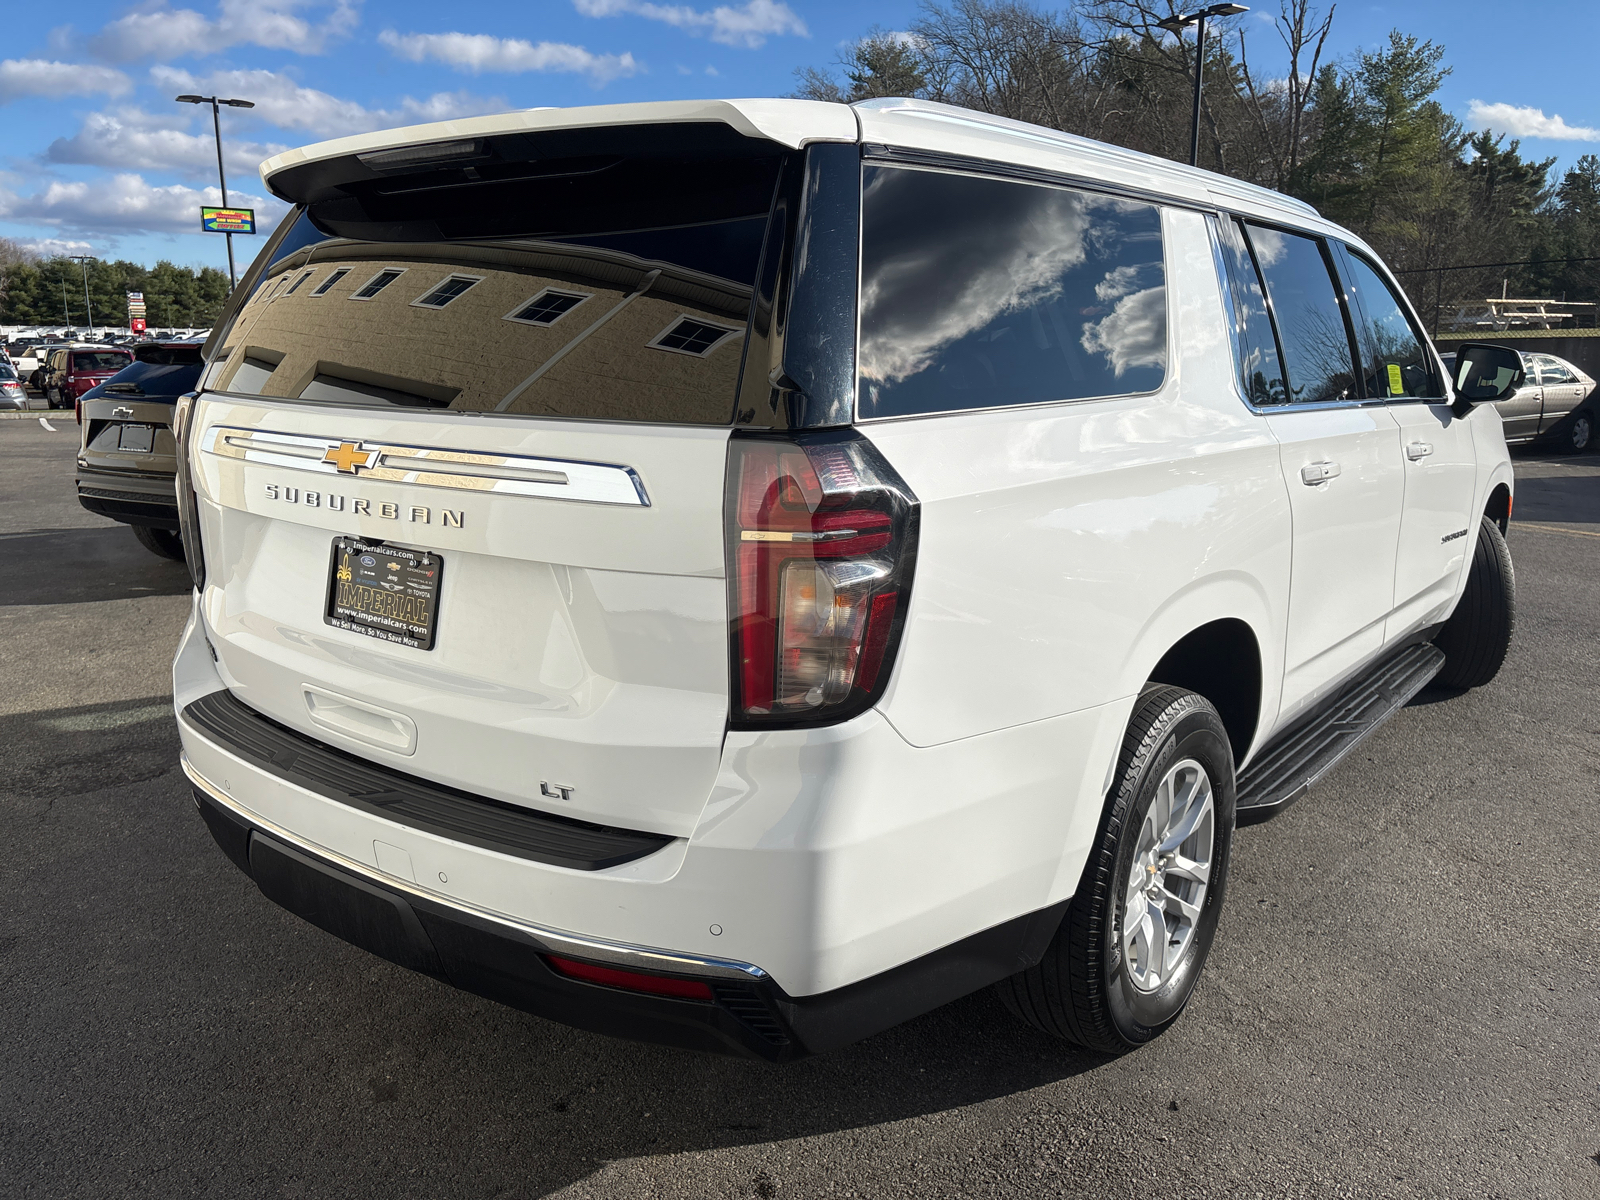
(126, 462)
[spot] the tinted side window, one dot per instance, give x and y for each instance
(1551, 371)
(1260, 372)
(982, 293)
(1309, 317)
(1394, 361)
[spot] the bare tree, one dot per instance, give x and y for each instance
(1280, 107)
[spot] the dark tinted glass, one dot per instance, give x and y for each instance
(472, 322)
(168, 355)
(1260, 372)
(99, 360)
(1394, 363)
(155, 380)
(979, 293)
(1310, 320)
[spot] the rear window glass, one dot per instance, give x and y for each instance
(168, 355)
(100, 360)
(618, 290)
(1309, 316)
(156, 380)
(984, 293)
(1394, 363)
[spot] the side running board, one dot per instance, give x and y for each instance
(1288, 766)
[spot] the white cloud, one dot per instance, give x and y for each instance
(1133, 334)
(748, 25)
(40, 77)
(282, 102)
(53, 247)
(1528, 122)
(133, 138)
(126, 203)
(479, 52)
(166, 33)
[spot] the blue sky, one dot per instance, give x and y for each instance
(96, 156)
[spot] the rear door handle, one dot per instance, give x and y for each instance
(1318, 472)
(1418, 450)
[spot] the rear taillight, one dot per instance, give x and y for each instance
(821, 541)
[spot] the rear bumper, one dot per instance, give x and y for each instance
(130, 498)
(749, 1016)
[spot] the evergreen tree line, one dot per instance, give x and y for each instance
(49, 292)
(1364, 139)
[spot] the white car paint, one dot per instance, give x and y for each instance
(1064, 549)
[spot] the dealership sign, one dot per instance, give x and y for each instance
(136, 312)
(228, 220)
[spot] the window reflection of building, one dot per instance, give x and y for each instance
(465, 326)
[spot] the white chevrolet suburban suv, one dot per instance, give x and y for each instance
(743, 574)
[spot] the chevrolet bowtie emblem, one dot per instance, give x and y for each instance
(349, 457)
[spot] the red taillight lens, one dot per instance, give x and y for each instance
(632, 981)
(821, 541)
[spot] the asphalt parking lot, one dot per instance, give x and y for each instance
(1403, 1002)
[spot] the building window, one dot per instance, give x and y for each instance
(322, 288)
(447, 291)
(295, 286)
(377, 283)
(548, 307)
(689, 335)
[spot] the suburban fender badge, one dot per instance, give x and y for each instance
(350, 457)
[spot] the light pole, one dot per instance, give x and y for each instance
(1175, 24)
(222, 176)
(85, 260)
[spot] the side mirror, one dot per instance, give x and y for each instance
(1485, 375)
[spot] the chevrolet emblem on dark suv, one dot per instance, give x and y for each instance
(349, 457)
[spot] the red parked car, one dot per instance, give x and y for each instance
(73, 370)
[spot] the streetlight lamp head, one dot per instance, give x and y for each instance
(252, 103)
(1226, 10)
(1178, 22)
(191, 99)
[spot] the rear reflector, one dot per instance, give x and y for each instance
(630, 981)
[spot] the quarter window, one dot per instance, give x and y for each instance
(689, 336)
(1394, 361)
(447, 291)
(377, 283)
(548, 307)
(322, 288)
(1306, 308)
(983, 293)
(1260, 369)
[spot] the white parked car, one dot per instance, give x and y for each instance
(742, 574)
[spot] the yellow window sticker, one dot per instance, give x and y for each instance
(1397, 386)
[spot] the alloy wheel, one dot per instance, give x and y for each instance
(1169, 877)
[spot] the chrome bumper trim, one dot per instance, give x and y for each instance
(641, 958)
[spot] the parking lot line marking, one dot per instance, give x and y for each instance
(48, 426)
(1583, 533)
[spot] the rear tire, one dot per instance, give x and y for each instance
(1580, 434)
(160, 541)
(1130, 950)
(1478, 634)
